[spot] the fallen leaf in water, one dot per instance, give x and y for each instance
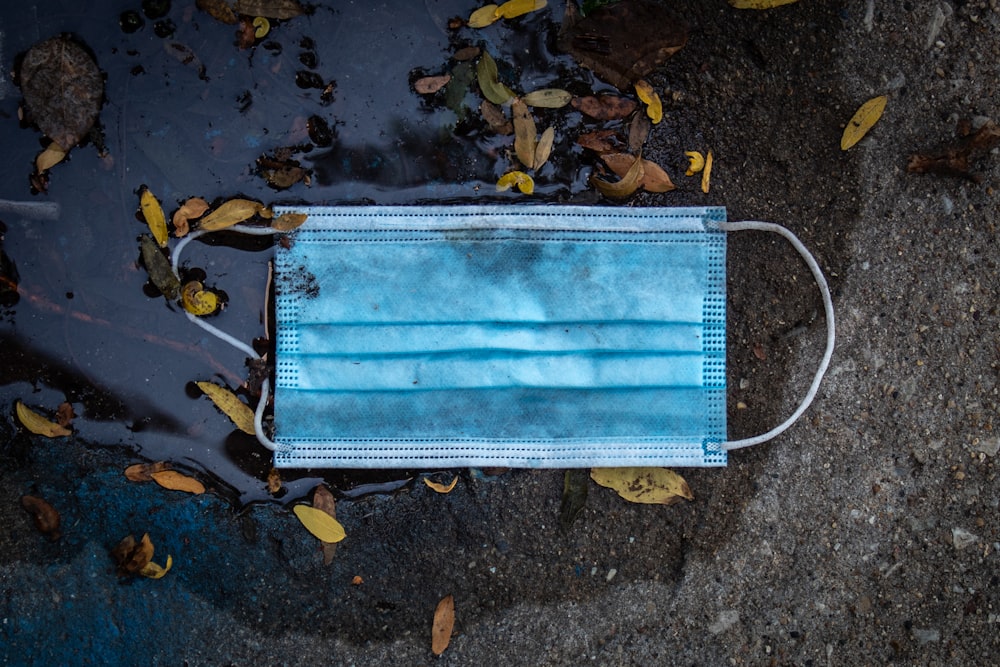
(286, 222)
(428, 85)
(544, 147)
(759, 4)
(272, 9)
(654, 178)
(514, 8)
(158, 267)
(600, 141)
(495, 118)
(654, 108)
(45, 515)
(862, 121)
(323, 500)
(261, 27)
(142, 472)
(218, 9)
(484, 16)
(38, 424)
(238, 411)
(466, 53)
(525, 133)
(658, 486)
(230, 213)
(444, 623)
(50, 157)
(706, 173)
(956, 160)
(133, 557)
(197, 300)
(638, 132)
(604, 107)
(696, 163)
(524, 183)
(628, 184)
(281, 171)
(489, 83)
(574, 497)
(152, 212)
(65, 414)
(548, 98)
(192, 209)
(441, 488)
(319, 523)
(175, 481)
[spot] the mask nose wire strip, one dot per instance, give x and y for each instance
(824, 291)
(258, 417)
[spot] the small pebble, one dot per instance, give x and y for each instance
(962, 538)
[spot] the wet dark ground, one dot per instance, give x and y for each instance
(833, 545)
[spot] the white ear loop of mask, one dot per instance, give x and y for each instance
(824, 291)
(810, 261)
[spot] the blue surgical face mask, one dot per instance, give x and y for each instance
(521, 336)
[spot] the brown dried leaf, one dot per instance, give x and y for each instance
(431, 84)
(218, 9)
(274, 481)
(525, 133)
(638, 131)
(271, 9)
(654, 179)
(131, 556)
(192, 209)
(626, 186)
(444, 623)
(65, 414)
(175, 481)
(600, 141)
(45, 515)
(604, 107)
(466, 53)
(142, 472)
(495, 118)
(323, 500)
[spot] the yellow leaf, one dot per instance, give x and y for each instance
(153, 213)
(697, 162)
(654, 108)
(862, 121)
(706, 173)
(544, 147)
(230, 213)
(194, 207)
(489, 81)
(38, 424)
(444, 623)
(235, 409)
(644, 485)
(525, 134)
(628, 184)
(197, 300)
(524, 183)
(549, 98)
(154, 571)
(319, 523)
(441, 488)
(483, 16)
(261, 27)
(512, 8)
(286, 222)
(175, 481)
(759, 4)
(654, 178)
(50, 157)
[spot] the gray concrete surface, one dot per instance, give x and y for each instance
(866, 535)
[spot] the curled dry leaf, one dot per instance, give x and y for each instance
(192, 209)
(654, 178)
(154, 571)
(197, 300)
(261, 26)
(133, 557)
(696, 163)
(142, 472)
(863, 120)
(175, 481)
(548, 98)
(286, 222)
(628, 184)
(441, 488)
(525, 134)
(489, 81)
(428, 85)
(658, 486)
(654, 108)
(152, 212)
(524, 182)
(320, 524)
(604, 107)
(230, 213)
(444, 623)
(38, 424)
(45, 515)
(484, 16)
(50, 157)
(238, 411)
(158, 267)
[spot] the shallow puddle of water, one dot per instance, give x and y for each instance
(84, 329)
